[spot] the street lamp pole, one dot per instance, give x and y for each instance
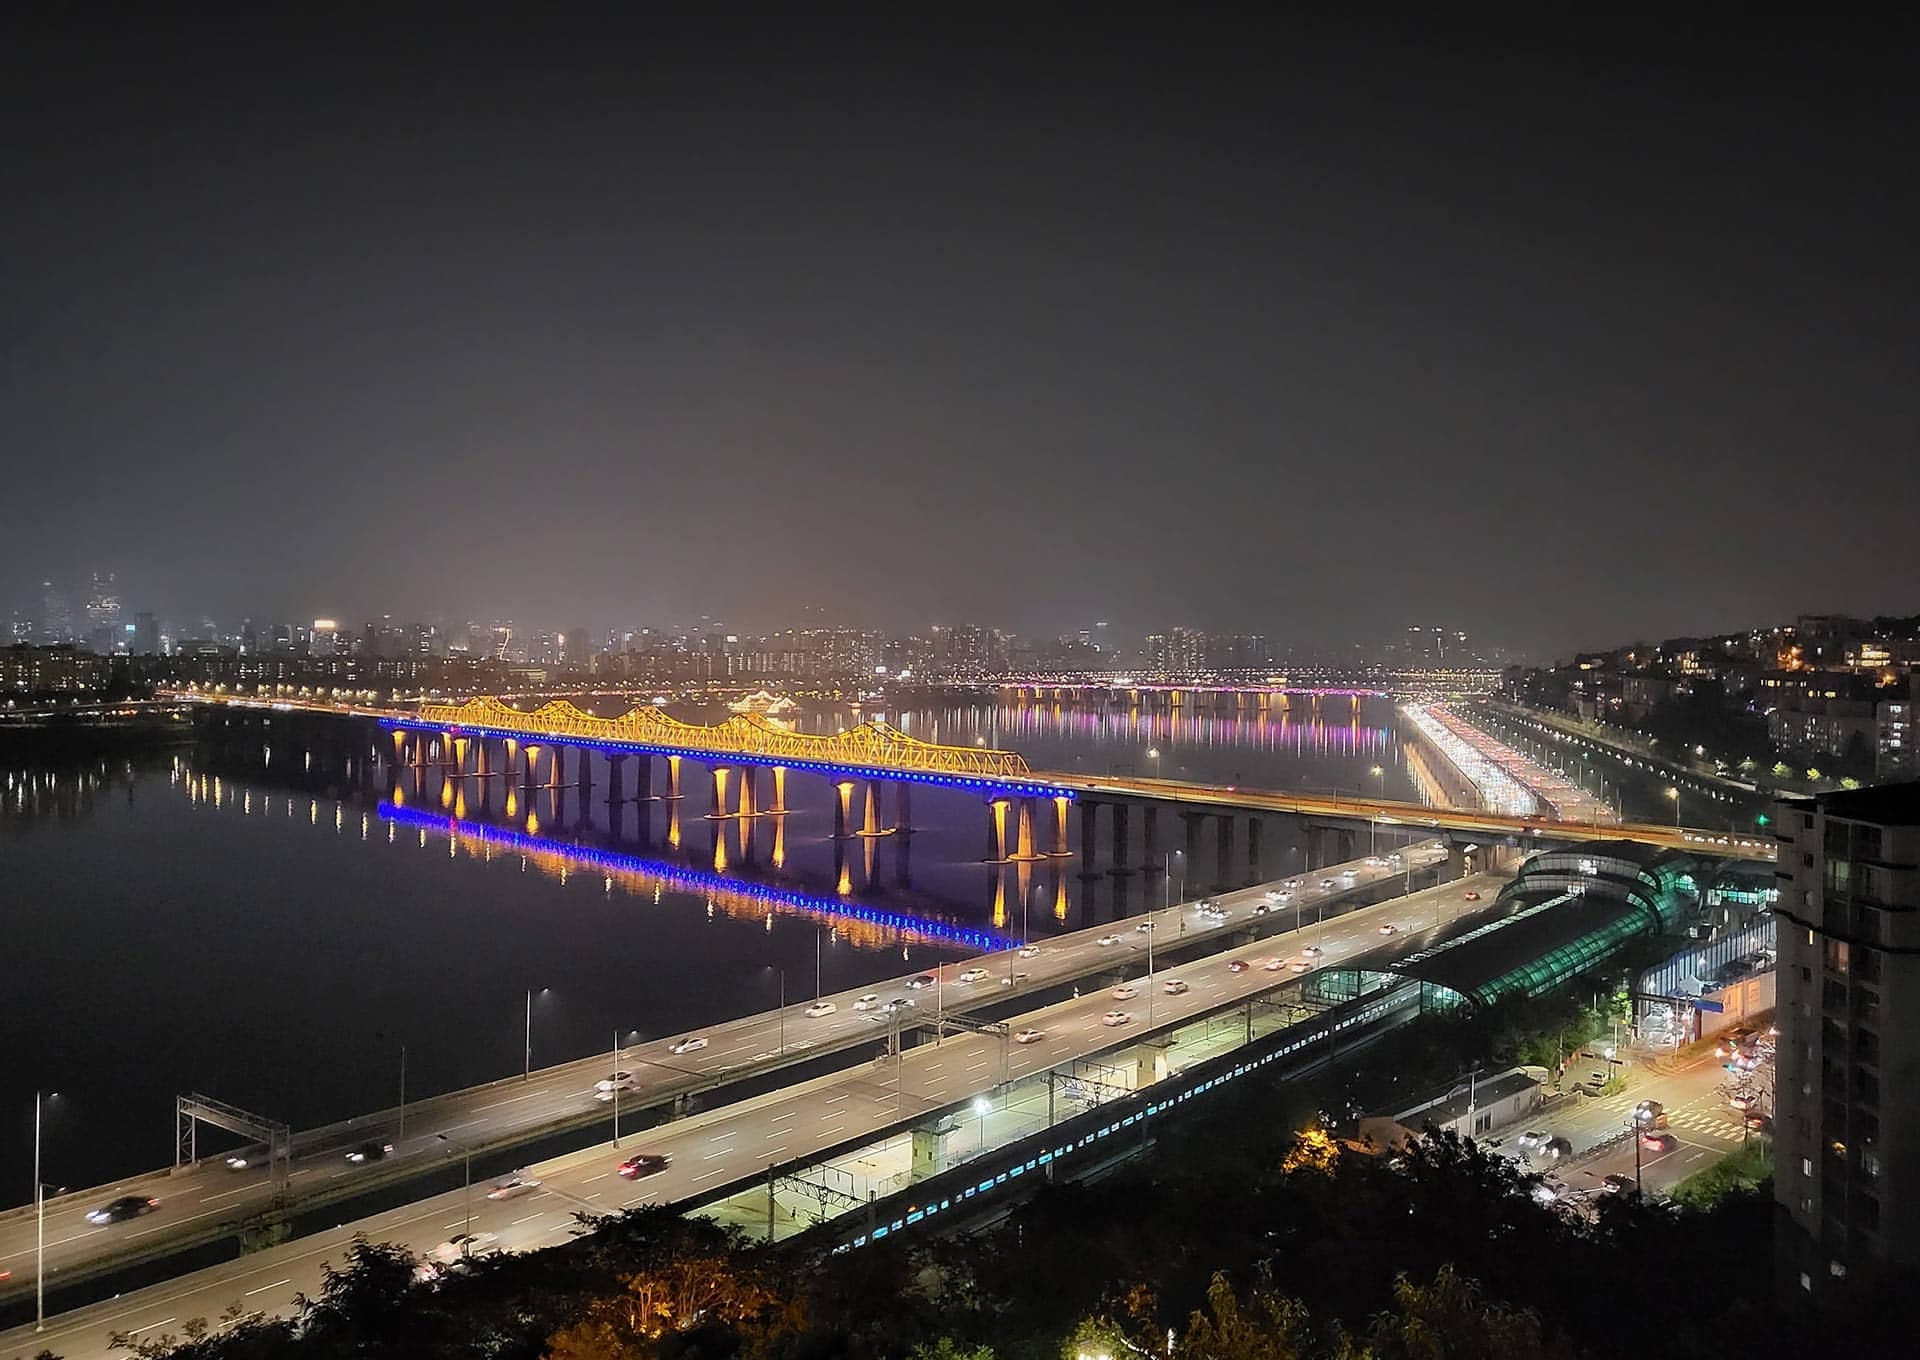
(466, 1200)
(39, 1228)
(526, 1052)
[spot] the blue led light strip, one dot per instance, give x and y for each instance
(699, 881)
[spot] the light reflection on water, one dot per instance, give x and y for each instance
(245, 927)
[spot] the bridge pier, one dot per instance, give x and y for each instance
(779, 807)
(673, 777)
(748, 796)
(1060, 802)
(718, 808)
(1193, 821)
(903, 806)
(1223, 852)
(1089, 830)
(1253, 851)
(532, 753)
(585, 758)
(842, 805)
(996, 830)
(1120, 868)
(1150, 829)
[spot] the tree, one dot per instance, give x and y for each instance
(1450, 1317)
(1270, 1326)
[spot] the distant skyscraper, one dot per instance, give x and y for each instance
(103, 602)
(56, 619)
(146, 634)
(21, 629)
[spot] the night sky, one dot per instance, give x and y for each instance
(1562, 339)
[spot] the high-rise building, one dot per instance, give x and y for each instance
(1846, 1129)
(56, 618)
(146, 634)
(103, 602)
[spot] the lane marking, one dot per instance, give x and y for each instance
(265, 1287)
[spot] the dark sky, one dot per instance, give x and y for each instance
(1559, 338)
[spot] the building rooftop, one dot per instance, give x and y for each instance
(1887, 804)
(1447, 1106)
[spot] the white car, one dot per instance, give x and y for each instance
(614, 1081)
(1312, 951)
(1144, 927)
(1126, 991)
(1277, 895)
(1388, 928)
(513, 1187)
(820, 1008)
(1028, 1036)
(1375, 862)
(869, 1002)
(1300, 965)
(1327, 885)
(1028, 951)
(464, 1247)
(1106, 940)
(1273, 965)
(1175, 987)
(971, 975)
(1115, 1018)
(693, 1043)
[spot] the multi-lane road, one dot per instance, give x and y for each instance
(203, 1203)
(725, 1147)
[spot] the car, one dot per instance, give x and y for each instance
(1216, 914)
(1530, 1140)
(1743, 1100)
(1549, 1192)
(1395, 860)
(1237, 966)
(901, 1003)
(1277, 895)
(1126, 991)
(693, 1043)
(614, 1081)
(1312, 951)
(1012, 978)
(818, 1009)
(1113, 1019)
(1262, 908)
(1616, 1184)
(869, 1002)
(1299, 965)
(122, 1209)
(1375, 862)
(1273, 965)
(1758, 1122)
(1388, 928)
(1027, 1036)
(1470, 895)
(1144, 927)
(922, 980)
(1554, 1149)
(971, 975)
(369, 1152)
(1654, 1141)
(1349, 877)
(247, 1157)
(519, 1183)
(644, 1164)
(1327, 885)
(464, 1247)
(1028, 951)
(1175, 987)
(1106, 940)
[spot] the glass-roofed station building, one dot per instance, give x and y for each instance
(1565, 913)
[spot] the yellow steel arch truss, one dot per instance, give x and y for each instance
(872, 743)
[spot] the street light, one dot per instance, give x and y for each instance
(39, 1222)
(466, 1201)
(1373, 818)
(980, 1107)
(526, 1053)
(1674, 794)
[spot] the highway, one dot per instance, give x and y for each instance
(1390, 813)
(737, 1143)
(205, 1202)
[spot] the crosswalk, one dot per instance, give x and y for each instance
(1710, 1122)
